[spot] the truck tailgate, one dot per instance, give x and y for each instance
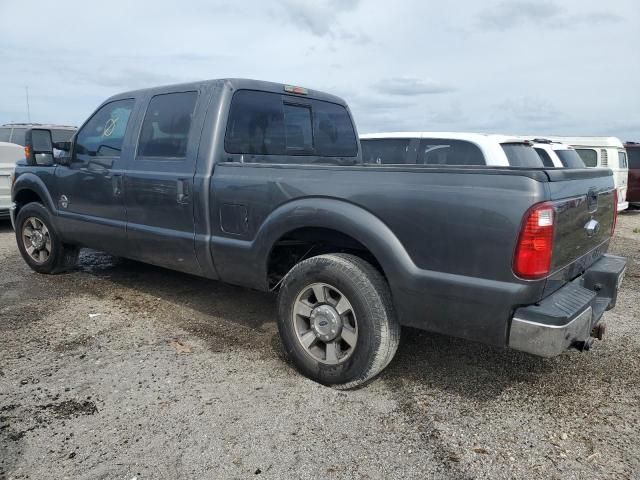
(585, 207)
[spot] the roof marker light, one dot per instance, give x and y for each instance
(296, 90)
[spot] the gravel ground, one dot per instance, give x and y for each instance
(121, 370)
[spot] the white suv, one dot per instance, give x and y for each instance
(556, 154)
(10, 153)
(448, 148)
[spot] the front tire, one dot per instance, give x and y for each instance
(336, 320)
(39, 244)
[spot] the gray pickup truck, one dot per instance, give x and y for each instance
(263, 185)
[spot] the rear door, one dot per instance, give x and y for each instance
(159, 181)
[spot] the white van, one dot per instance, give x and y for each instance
(9, 154)
(605, 152)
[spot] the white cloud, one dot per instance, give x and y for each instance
(516, 66)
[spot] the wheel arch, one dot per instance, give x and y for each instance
(356, 230)
(30, 188)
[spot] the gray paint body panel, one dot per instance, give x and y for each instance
(443, 236)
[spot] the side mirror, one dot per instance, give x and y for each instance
(38, 147)
(62, 153)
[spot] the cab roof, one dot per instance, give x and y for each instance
(235, 84)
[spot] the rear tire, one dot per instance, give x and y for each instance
(336, 320)
(39, 244)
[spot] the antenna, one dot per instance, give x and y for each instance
(28, 109)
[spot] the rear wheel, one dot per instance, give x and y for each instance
(39, 244)
(336, 320)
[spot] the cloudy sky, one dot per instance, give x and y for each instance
(513, 66)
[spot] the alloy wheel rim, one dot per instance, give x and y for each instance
(325, 323)
(36, 239)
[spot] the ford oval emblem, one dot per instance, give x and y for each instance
(592, 227)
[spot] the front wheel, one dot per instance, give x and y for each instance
(39, 244)
(336, 320)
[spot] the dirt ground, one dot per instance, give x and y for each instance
(120, 370)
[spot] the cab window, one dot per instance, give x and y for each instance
(264, 123)
(103, 134)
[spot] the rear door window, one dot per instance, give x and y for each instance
(442, 151)
(263, 123)
(544, 156)
(634, 158)
(387, 151)
(17, 136)
(522, 155)
(5, 134)
(589, 156)
(570, 158)
(622, 160)
(166, 125)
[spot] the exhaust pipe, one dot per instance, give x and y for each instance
(585, 345)
(582, 345)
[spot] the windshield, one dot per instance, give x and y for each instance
(522, 155)
(570, 159)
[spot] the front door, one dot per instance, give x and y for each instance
(89, 193)
(159, 183)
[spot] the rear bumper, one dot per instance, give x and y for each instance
(568, 315)
(623, 206)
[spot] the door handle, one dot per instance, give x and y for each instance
(183, 191)
(116, 184)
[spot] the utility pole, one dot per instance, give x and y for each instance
(28, 109)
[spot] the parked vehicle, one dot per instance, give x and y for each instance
(603, 152)
(9, 154)
(556, 154)
(263, 185)
(633, 154)
(448, 148)
(14, 132)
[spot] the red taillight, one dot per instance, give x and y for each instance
(532, 258)
(615, 211)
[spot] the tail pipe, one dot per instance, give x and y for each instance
(596, 333)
